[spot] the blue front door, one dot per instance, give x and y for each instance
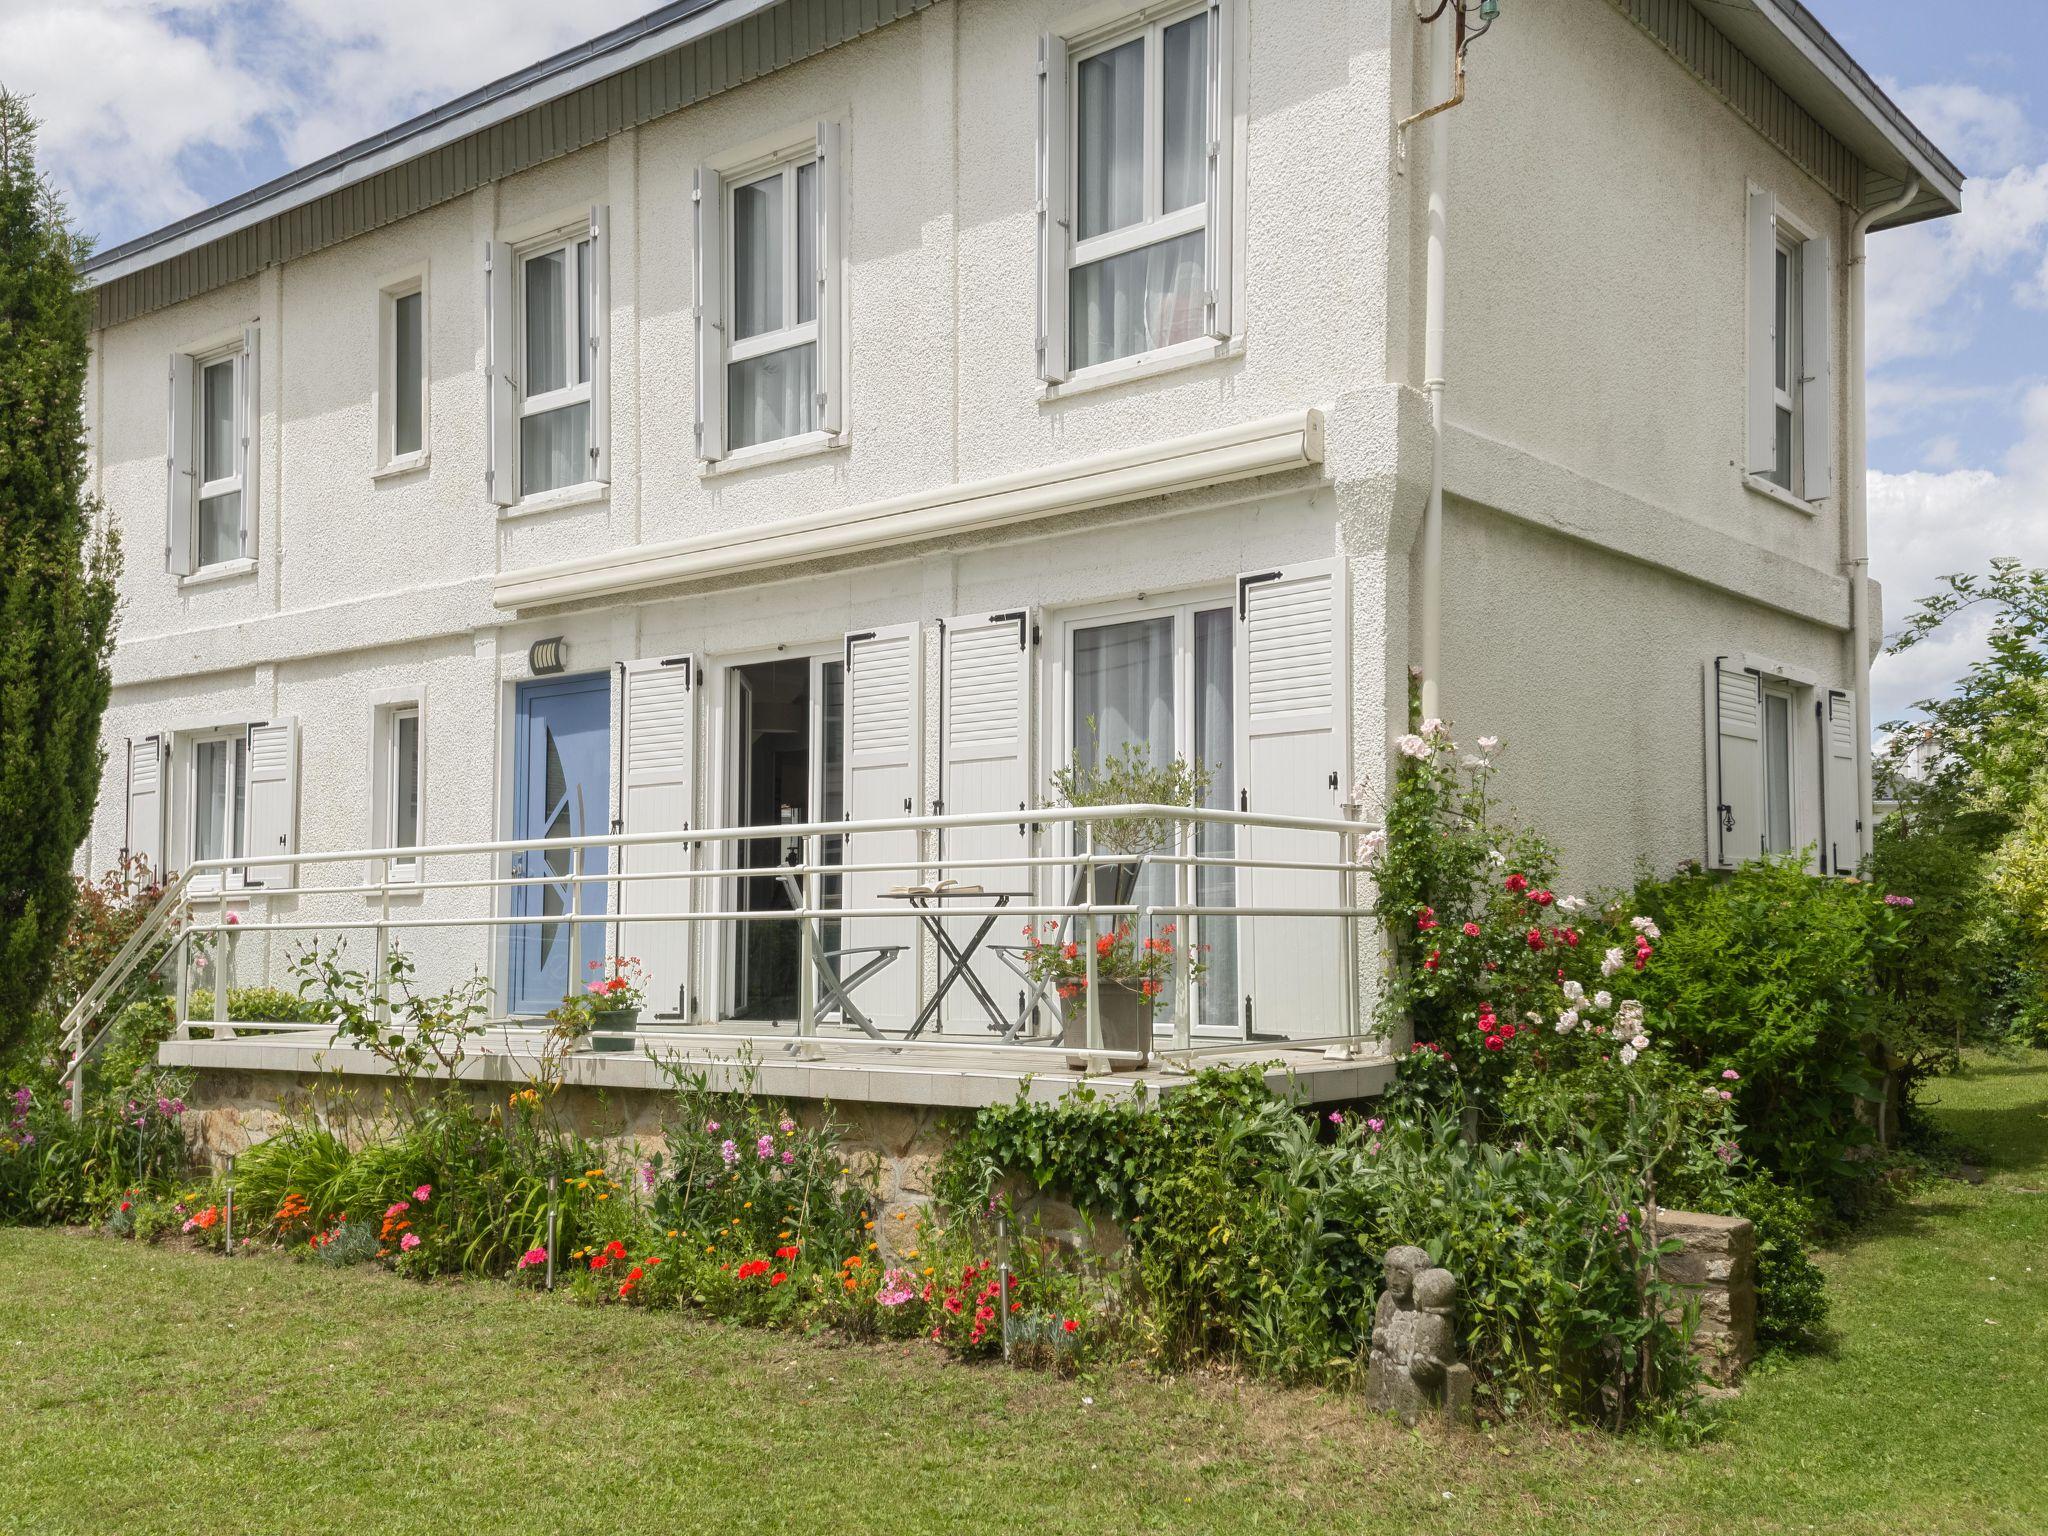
(561, 788)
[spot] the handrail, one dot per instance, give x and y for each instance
(119, 969)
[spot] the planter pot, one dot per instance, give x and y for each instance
(1115, 884)
(613, 1030)
(1125, 1015)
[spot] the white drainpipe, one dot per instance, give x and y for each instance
(1429, 597)
(1856, 507)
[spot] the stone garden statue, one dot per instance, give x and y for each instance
(1414, 1365)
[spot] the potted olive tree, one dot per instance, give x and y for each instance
(1127, 776)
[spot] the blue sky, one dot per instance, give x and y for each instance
(152, 110)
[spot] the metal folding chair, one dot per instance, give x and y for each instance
(833, 985)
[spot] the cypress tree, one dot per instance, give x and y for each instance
(57, 575)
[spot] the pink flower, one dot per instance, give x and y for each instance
(1471, 930)
(397, 1208)
(1726, 1095)
(422, 1192)
(1336, 1117)
(410, 1241)
(1375, 1125)
(531, 1258)
(764, 1148)
(1731, 1075)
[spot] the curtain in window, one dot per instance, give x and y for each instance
(553, 448)
(1184, 157)
(217, 423)
(772, 396)
(1778, 771)
(1123, 689)
(757, 257)
(1109, 158)
(1138, 301)
(1215, 737)
(547, 300)
(220, 528)
(405, 789)
(408, 374)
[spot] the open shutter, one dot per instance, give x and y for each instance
(1292, 688)
(657, 761)
(884, 717)
(831, 193)
(180, 549)
(709, 198)
(248, 428)
(1054, 225)
(1735, 764)
(600, 344)
(1216, 248)
(984, 757)
(1762, 448)
(273, 796)
(142, 835)
(1816, 362)
(501, 381)
(1841, 800)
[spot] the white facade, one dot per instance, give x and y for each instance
(953, 465)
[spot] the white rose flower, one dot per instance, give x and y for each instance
(1630, 1013)
(1612, 962)
(1496, 858)
(1411, 746)
(1567, 1021)
(1489, 745)
(1564, 1027)
(1645, 927)
(1641, 1042)
(1571, 903)
(1372, 846)
(1432, 728)
(1574, 992)
(1628, 1055)
(1603, 1000)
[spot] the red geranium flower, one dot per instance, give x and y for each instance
(787, 1253)
(1070, 1326)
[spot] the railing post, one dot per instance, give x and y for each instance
(807, 950)
(224, 958)
(183, 984)
(383, 941)
(1090, 1003)
(1347, 935)
(1185, 879)
(694, 852)
(575, 920)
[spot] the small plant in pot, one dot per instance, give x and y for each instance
(1127, 776)
(1131, 973)
(608, 1009)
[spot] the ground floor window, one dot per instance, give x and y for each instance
(217, 769)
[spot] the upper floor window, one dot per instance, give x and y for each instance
(1790, 339)
(768, 240)
(402, 375)
(1134, 188)
(549, 305)
(210, 457)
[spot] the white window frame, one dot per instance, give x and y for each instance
(237, 829)
(574, 347)
(1779, 688)
(794, 332)
(389, 461)
(1809, 335)
(1154, 225)
(1789, 476)
(235, 358)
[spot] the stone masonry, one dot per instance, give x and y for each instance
(1717, 1267)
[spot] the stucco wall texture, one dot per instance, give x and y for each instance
(1597, 293)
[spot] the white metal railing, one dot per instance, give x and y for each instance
(1321, 858)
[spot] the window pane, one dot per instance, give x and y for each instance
(405, 785)
(220, 528)
(772, 397)
(238, 776)
(1184, 166)
(1784, 314)
(1123, 690)
(807, 242)
(1781, 468)
(1147, 298)
(582, 311)
(554, 449)
(1109, 141)
(1778, 772)
(209, 799)
(1214, 740)
(547, 298)
(757, 257)
(409, 379)
(217, 421)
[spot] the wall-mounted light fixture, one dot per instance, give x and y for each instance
(548, 657)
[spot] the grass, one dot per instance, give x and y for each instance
(157, 1391)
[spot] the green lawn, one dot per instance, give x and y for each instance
(151, 1391)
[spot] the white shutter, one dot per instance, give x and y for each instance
(1735, 764)
(657, 759)
(831, 195)
(142, 835)
(709, 197)
(1293, 752)
(180, 547)
(1841, 801)
(248, 428)
(600, 344)
(1816, 362)
(272, 806)
(1216, 245)
(884, 714)
(1054, 223)
(984, 756)
(501, 376)
(1763, 331)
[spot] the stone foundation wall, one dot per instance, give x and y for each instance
(1717, 1267)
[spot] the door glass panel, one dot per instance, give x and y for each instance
(1109, 141)
(405, 786)
(772, 396)
(1123, 690)
(1184, 163)
(1778, 771)
(209, 799)
(1215, 738)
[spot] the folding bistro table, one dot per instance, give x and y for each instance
(933, 905)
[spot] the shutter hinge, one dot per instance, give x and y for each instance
(1244, 800)
(1727, 817)
(1246, 582)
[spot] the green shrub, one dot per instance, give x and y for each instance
(1791, 1291)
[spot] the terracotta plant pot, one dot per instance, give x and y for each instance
(1125, 1015)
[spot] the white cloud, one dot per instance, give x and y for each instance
(1925, 524)
(151, 110)
(1981, 130)
(1925, 281)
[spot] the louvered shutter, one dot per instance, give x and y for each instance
(249, 432)
(1816, 365)
(501, 373)
(1762, 447)
(831, 195)
(657, 761)
(600, 343)
(272, 805)
(1216, 248)
(1292, 687)
(984, 755)
(181, 556)
(709, 199)
(884, 717)
(1841, 788)
(1054, 223)
(142, 835)
(1735, 763)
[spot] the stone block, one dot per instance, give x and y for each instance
(1716, 1268)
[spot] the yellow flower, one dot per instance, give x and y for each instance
(593, 1173)
(868, 1227)
(673, 1233)
(604, 1197)
(747, 1205)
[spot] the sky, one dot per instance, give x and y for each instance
(152, 110)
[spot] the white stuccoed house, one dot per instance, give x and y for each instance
(838, 414)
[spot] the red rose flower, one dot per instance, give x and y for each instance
(1516, 884)
(1430, 963)
(1536, 938)
(1471, 930)
(1542, 898)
